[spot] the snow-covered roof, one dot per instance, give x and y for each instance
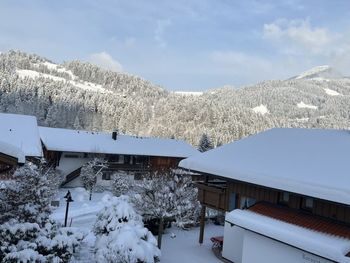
(325, 245)
(21, 133)
(310, 162)
(67, 140)
(13, 151)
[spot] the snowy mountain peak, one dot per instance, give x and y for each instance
(319, 72)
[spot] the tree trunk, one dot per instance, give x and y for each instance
(90, 194)
(160, 231)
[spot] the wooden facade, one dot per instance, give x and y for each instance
(228, 195)
(221, 197)
(7, 166)
(135, 164)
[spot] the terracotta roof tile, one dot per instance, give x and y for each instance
(303, 219)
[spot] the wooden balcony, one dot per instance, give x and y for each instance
(213, 195)
(113, 166)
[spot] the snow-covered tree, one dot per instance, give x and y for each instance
(165, 196)
(156, 200)
(26, 233)
(26, 197)
(205, 143)
(186, 198)
(89, 173)
(121, 183)
(54, 177)
(121, 236)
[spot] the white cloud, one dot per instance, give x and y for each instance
(309, 45)
(104, 60)
(159, 32)
(299, 34)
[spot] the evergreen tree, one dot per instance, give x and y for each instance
(27, 197)
(120, 235)
(26, 232)
(205, 143)
(121, 183)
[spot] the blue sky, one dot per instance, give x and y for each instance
(185, 45)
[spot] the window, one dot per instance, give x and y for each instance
(127, 159)
(106, 176)
(247, 202)
(139, 159)
(284, 198)
(71, 155)
(308, 203)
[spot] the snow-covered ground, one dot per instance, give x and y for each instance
(184, 247)
(332, 92)
(307, 106)
(189, 93)
(262, 109)
(22, 73)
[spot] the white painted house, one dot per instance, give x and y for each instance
(288, 191)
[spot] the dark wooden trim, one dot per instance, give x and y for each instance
(8, 159)
(264, 187)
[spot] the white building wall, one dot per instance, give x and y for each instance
(233, 243)
(68, 165)
(257, 248)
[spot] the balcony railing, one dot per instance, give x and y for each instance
(127, 167)
(213, 195)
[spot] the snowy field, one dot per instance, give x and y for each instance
(183, 248)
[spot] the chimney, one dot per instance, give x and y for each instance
(114, 135)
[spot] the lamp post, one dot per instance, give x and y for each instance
(69, 199)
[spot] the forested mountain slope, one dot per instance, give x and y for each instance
(83, 96)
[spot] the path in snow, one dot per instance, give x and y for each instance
(85, 254)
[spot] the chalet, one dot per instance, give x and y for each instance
(19, 141)
(287, 192)
(68, 150)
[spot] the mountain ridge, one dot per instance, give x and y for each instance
(83, 96)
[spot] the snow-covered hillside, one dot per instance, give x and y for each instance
(80, 85)
(320, 73)
(83, 96)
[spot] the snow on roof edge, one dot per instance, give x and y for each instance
(13, 151)
(102, 142)
(324, 245)
(204, 164)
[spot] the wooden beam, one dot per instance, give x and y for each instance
(202, 224)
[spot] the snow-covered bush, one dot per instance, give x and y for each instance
(130, 244)
(121, 236)
(115, 215)
(121, 183)
(28, 242)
